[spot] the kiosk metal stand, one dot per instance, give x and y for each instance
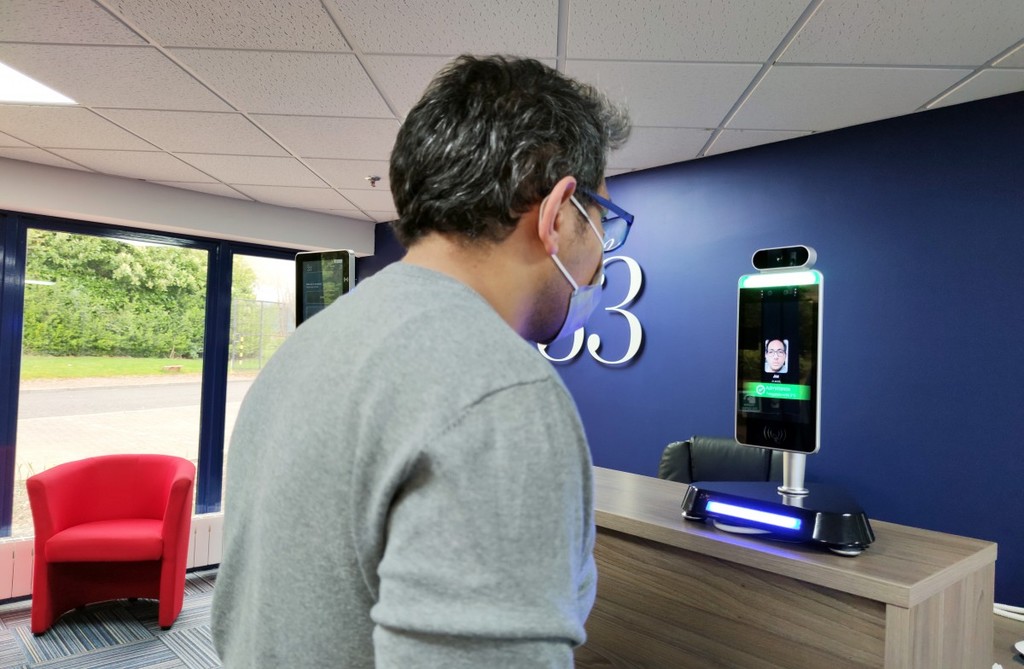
(793, 467)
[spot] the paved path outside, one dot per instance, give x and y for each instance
(73, 419)
(49, 401)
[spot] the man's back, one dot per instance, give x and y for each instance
(406, 461)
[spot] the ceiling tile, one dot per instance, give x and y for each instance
(733, 140)
(254, 170)
(300, 25)
(693, 95)
(650, 147)
(937, 32)
(196, 132)
(323, 137)
(1013, 59)
(370, 200)
(8, 141)
(148, 165)
(274, 82)
(303, 198)
(404, 78)
(212, 189)
(450, 27)
(66, 127)
(825, 98)
(112, 76)
(987, 84)
(352, 174)
(33, 155)
(62, 21)
(383, 216)
(695, 30)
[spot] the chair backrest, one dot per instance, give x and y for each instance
(718, 459)
(107, 487)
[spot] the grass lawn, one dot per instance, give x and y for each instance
(60, 367)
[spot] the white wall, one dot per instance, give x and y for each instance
(54, 191)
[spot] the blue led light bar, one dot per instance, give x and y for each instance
(733, 511)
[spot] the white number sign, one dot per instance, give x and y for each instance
(636, 331)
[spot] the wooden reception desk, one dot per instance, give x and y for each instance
(677, 594)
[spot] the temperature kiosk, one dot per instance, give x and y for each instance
(778, 406)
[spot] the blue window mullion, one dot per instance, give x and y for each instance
(12, 299)
(210, 477)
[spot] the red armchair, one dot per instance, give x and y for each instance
(110, 527)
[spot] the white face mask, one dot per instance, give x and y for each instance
(584, 299)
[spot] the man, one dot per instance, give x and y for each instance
(775, 356)
(409, 483)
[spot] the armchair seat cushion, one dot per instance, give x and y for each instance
(120, 540)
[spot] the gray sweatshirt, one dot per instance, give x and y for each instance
(408, 485)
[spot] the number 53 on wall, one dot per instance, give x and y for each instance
(636, 331)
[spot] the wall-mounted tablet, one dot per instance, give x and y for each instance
(321, 277)
(778, 363)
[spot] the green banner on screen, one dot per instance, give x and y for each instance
(777, 391)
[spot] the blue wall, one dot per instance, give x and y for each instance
(386, 250)
(919, 226)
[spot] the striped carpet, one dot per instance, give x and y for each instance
(119, 634)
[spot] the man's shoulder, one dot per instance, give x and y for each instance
(446, 323)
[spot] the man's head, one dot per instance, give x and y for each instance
(490, 139)
(775, 354)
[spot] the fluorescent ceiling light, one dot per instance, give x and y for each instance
(16, 87)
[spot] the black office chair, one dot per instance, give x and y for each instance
(718, 459)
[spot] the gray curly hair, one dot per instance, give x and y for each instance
(490, 138)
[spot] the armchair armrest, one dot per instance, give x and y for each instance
(178, 513)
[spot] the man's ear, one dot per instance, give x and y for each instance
(549, 218)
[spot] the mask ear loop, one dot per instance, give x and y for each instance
(558, 263)
(561, 268)
(600, 240)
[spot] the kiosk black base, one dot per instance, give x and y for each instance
(825, 515)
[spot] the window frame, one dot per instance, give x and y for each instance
(14, 228)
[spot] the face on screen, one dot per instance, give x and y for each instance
(777, 364)
(775, 352)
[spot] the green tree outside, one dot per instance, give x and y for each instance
(101, 296)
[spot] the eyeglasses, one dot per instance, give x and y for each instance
(615, 221)
(776, 352)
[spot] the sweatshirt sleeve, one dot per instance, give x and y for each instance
(488, 556)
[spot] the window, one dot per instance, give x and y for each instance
(118, 340)
(112, 352)
(262, 317)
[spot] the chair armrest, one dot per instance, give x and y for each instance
(178, 513)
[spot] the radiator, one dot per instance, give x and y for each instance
(17, 554)
(205, 547)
